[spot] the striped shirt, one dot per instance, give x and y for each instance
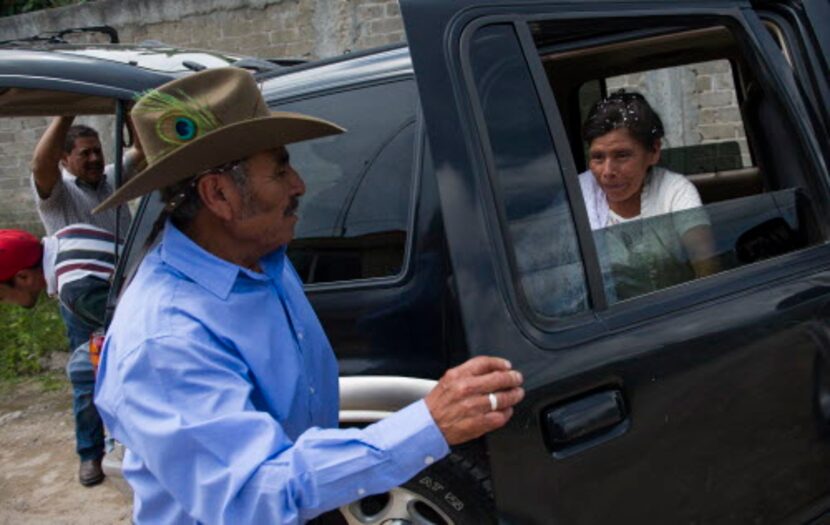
(72, 201)
(78, 262)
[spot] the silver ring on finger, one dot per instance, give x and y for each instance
(494, 401)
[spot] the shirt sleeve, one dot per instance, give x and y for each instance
(87, 298)
(186, 411)
(55, 198)
(685, 205)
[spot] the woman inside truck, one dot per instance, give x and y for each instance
(649, 224)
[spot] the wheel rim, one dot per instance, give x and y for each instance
(399, 506)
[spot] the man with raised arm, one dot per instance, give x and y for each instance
(70, 178)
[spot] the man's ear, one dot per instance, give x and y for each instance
(218, 194)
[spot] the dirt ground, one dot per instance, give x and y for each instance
(38, 464)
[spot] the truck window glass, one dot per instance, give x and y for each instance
(355, 212)
(535, 207)
(741, 191)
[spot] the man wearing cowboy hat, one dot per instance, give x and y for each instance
(216, 374)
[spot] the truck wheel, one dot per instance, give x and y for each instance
(454, 491)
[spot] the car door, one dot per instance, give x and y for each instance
(703, 401)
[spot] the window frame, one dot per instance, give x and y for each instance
(553, 333)
(503, 244)
(388, 281)
(801, 59)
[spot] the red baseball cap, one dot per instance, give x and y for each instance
(18, 250)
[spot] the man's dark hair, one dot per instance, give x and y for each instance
(186, 199)
(624, 110)
(75, 132)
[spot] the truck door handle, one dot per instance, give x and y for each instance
(585, 422)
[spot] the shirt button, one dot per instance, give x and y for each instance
(361, 491)
(429, 460)
(311, 389)
(300, 336)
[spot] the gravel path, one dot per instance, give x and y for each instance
(38, 464)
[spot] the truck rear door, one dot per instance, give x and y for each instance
(651, 398)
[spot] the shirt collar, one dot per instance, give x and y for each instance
(274, 263)
(595, 201)
(84, 185)
(209, 271)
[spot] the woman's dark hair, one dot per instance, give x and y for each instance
(624, 110)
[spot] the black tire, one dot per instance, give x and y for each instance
(454, 491)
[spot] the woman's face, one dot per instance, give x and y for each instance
(620, 163)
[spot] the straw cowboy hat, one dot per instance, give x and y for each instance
(205, 120)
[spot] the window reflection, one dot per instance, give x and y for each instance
(646, 255)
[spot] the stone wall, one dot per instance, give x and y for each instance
(306, 29)
(17, 140)
(697, 104)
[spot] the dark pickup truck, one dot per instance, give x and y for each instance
(449, 222)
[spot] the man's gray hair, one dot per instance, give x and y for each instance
(182, 201)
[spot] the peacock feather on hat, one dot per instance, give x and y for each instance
(182, 118)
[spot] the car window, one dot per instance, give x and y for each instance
(355, 214)
(727, 190)
(535, 208)
(644, 256)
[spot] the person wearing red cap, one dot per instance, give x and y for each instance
(21, 273)
(75, 265)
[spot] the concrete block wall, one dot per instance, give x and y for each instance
(305, 29)
(17, 140)
(697, 104)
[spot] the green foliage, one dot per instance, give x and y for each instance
(27, 336)
(16, 7)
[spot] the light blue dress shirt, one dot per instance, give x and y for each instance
(222, 385)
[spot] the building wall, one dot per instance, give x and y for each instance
(697, 104)
(306, 29)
